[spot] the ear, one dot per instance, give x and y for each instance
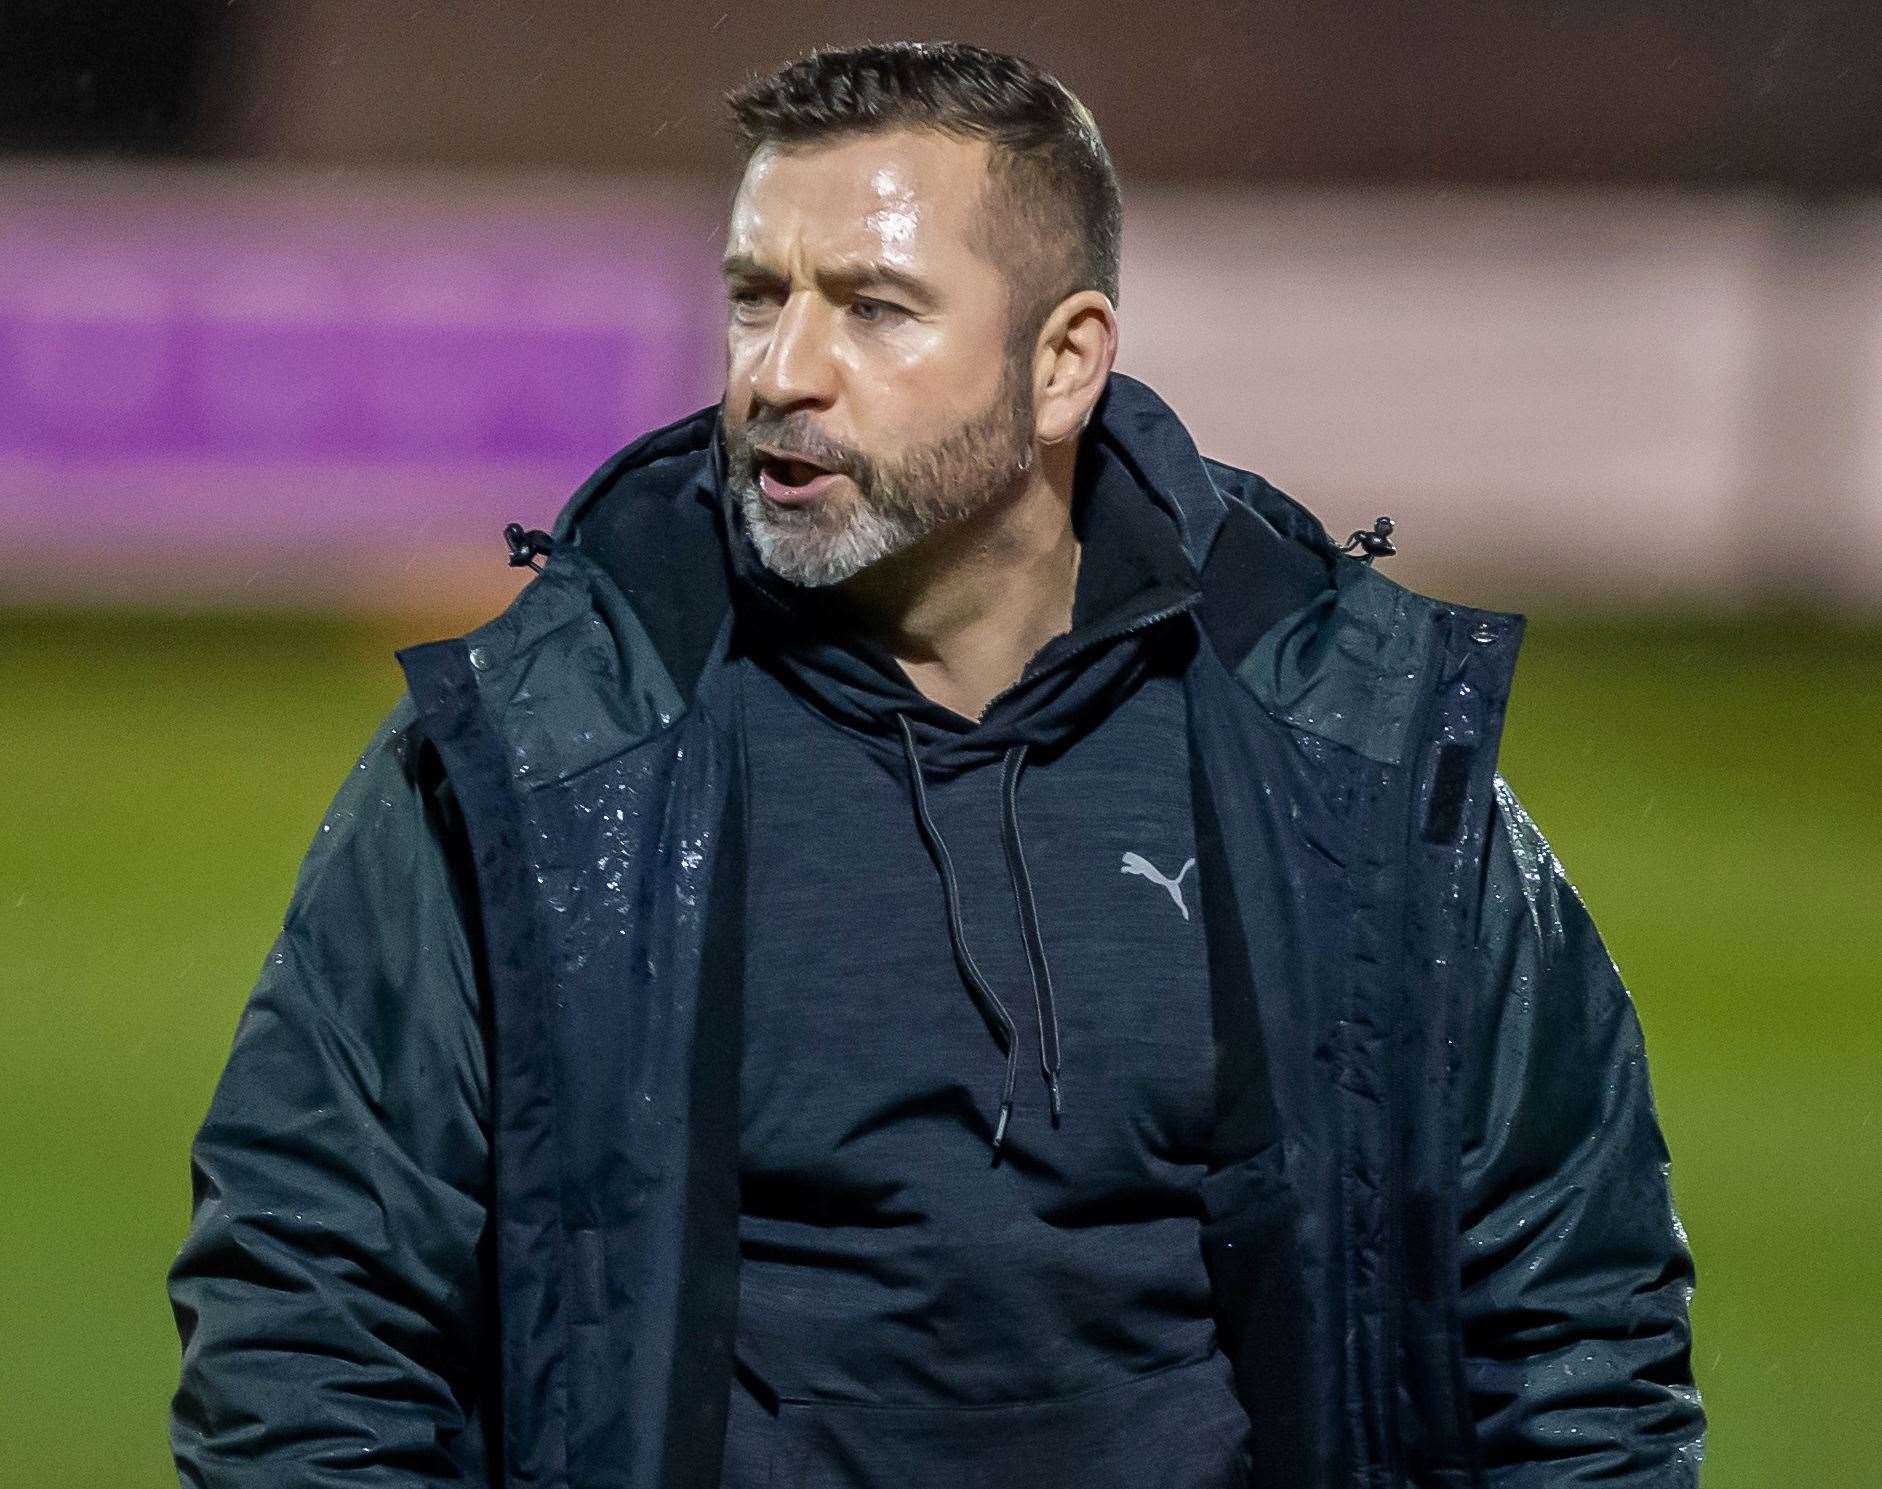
(1077, 345)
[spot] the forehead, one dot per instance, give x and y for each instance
(908, 196)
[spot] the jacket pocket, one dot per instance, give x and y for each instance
(1179, 1427)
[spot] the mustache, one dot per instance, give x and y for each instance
(793, 444)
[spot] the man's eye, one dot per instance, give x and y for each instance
(880, 310)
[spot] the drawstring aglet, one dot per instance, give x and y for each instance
(1052, 1085)
(999, 1130)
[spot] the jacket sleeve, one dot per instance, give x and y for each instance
(328, 1293)
(1576, 1275)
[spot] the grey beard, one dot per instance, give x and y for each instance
(803, 554)
(945, 485)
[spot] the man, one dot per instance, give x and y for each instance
(642, 1089)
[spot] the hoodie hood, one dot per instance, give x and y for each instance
(1136, 592)
(1133, 573)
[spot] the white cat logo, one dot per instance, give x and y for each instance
(1136, 863)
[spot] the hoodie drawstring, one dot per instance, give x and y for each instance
(1043, 1005)
(1029, 924)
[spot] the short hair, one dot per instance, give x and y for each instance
(1051, 217)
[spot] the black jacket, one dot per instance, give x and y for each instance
(466, 1196)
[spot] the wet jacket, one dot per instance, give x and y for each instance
(466, 1197)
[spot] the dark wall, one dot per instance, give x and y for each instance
(115, 76)
(1731, 92)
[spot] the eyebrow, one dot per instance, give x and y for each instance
(743, 268)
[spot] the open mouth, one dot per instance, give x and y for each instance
(791, 472)
(787, 478)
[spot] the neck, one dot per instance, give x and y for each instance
(964, 609)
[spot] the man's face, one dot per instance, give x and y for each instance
(865, 335)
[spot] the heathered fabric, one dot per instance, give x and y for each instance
(912, 1308)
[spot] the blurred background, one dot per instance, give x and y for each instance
(300, 302)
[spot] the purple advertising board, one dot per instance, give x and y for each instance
(263, 389)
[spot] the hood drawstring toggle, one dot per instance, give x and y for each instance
(525, 544)
(1374, 544)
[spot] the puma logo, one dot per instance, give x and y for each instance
(1136, 863)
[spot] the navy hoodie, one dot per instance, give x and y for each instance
(979, 1065)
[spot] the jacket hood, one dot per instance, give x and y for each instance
(654, 522)
(1130, 422)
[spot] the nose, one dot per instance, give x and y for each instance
(795, 366)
